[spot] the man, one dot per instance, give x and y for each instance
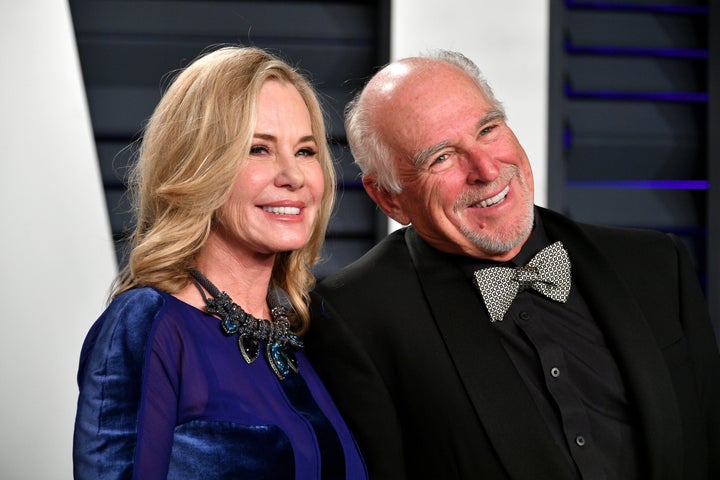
(594, 359)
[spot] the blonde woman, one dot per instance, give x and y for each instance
(196, 368)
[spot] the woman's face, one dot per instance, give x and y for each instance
(277, 196)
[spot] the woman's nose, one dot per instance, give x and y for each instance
(290, 174)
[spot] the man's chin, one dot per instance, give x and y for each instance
(500, 243)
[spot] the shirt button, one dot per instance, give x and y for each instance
(580, 440)
(555, 372)
(524, 316)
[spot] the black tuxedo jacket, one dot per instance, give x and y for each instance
(405, 346)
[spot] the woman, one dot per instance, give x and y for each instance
(196, 369)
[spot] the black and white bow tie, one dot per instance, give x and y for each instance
(548, 272)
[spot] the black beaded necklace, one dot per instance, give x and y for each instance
(252, 332)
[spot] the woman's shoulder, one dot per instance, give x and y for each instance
(127, 323)
(138, 299)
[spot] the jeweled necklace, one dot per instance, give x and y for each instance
(252, 332)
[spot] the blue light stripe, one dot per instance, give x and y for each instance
(641, 184)
(572, 49)
(683, 9)
(692, 97)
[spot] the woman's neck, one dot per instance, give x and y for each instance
(245, 276)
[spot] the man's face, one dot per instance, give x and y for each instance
(467, 182)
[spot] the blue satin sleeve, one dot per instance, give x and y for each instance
(110, 439)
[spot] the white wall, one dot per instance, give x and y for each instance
(56, 250)
(508, 40)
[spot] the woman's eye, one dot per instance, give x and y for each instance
(306, 152)
(258, 150)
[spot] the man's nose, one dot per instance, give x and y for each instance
(481, 166)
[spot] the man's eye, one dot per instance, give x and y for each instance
(487, 130)
(440, 159)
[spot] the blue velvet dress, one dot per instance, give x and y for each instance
(165, 394)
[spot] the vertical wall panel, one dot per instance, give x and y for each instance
(713, 210)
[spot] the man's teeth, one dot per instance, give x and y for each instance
(283, 210)
(495, 199)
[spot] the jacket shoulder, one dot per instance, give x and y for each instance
(388, 258)
(618, 244)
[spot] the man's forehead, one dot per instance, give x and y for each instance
(397, 77)
(388, 80)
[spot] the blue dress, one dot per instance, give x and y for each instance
(165, 394)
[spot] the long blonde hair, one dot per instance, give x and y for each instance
(188, 163)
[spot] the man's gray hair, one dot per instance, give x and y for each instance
(371, 153)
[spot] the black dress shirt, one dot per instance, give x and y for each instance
(561, 354)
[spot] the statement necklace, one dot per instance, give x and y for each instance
(276, 335)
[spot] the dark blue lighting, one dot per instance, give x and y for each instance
(624, 7)
(567, 138)
(641, 184)
(700, 53)
(350, 185)
(692, 97)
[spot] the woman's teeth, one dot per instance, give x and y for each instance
(282, 210)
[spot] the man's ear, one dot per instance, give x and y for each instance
(387, 201)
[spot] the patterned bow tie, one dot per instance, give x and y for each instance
(548, 272)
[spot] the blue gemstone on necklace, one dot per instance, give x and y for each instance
(230, 326)
(277, 356)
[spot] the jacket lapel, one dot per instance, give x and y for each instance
(499, 395)
(646, 376)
